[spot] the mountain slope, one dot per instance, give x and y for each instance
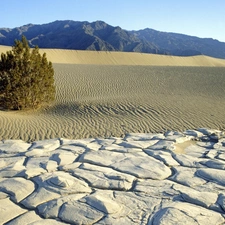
(78, 35)
(182, 45)
(101, 36)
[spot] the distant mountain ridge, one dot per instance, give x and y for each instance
(100, 36)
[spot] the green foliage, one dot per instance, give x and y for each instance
(26, 77)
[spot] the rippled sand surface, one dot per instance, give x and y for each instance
(111, 100)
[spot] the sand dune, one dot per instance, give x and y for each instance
(112, 100)
(124, 58)
(103, 101)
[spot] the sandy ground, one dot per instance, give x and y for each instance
(124, 58)
(114, 99)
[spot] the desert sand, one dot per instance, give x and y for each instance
(103, 94)
(124, 58)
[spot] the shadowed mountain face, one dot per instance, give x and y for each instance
(182, 45)
(102, 37)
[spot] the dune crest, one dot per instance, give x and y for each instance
(124, 58)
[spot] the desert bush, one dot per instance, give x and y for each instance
(26, 77)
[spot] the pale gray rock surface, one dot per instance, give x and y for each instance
(51, 209)
(154, 179)
(9, 210)
(181, 212)
(163, 156)
(79, 213)
(14, 146)
(136, 164)
(18, 188)
(213, 175)
(186, 176)
(12, 166)
(29, 216)
(103, 177)
(172, 216)
(47, 222)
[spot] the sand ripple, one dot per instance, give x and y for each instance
(101, 100)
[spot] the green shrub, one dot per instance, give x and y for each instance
(26, 78)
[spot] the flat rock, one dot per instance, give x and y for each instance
(139, 144)
(46, 145)
(143, 137)
(121, 149)
(36, 166)
(54, 185)
(62, 183)
(52, 208)
(163, 145)
(187, 176)
(76, 150)
(18, 188)
(205, 144)
(135, 164)
(215, 163)
(63, 157)
(193, 133)
(3, 195)
(195, 151)
(102, 177)
(212, 175)
(165, 178)
(103, 201)
(80, 142)
(203, 198)
(157, 188)
(101, 158)
(207, 131)
(193, 214)
(163, 156)
(14, 146)
(211, 154)
(30, 216)
(50, 166)
(188, 160)
(9, 210)
(47, 222)
(221, 156)
(12, 167)
(85, 214)
(137, 207)
(40, 196)
(177, 138)
(172, 216)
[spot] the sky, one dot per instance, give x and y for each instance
(201, 18)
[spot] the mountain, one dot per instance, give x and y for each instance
(182, 45)
(101, 36)
(78, 35)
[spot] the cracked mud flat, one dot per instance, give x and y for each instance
(151, 178)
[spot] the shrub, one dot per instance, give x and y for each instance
(26, 77)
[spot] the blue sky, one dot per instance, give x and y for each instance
(202, 18)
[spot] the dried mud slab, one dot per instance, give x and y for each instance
(138, 179)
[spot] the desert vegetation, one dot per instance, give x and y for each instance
(26, 77)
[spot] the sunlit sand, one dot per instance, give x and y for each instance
(103, 94)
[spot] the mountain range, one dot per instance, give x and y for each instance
(100, 36)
